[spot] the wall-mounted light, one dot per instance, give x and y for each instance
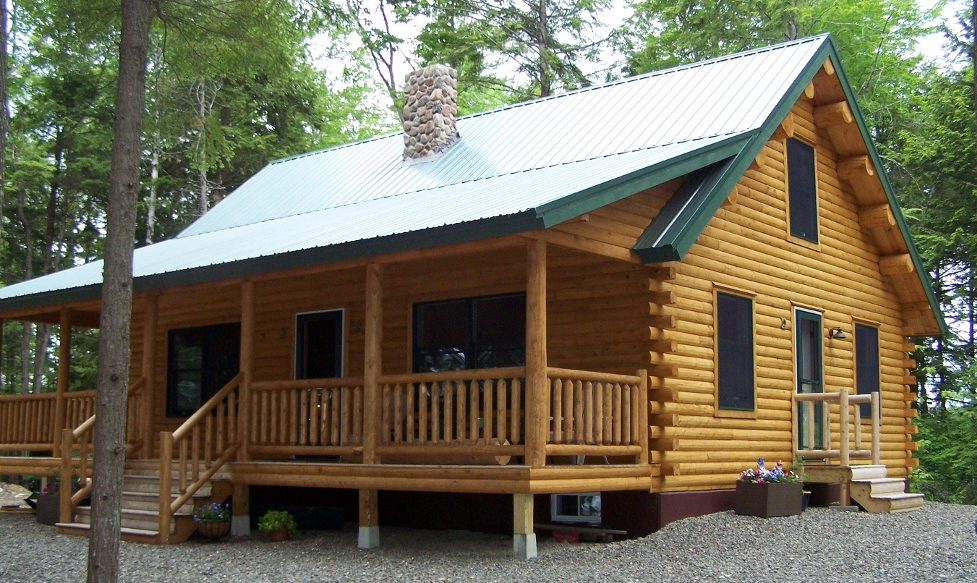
(837, 333)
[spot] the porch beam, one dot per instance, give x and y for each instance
(373, 332)
(247, 368)
(537, 398)
(149, 371)
(64, 368)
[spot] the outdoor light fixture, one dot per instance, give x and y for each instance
(837, 333)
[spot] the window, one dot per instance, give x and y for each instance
(200, 362)
(866, 364)
(802, 190)
(319, 345)
(483, 332)
(734, 352)
(583, 508)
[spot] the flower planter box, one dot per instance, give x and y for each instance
(769, 499)
(49, 509)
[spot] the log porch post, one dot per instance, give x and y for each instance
(2, 380)
(64, 368)
(369, 533)
(523, 537)
(149, 372)
(241, 497)
(537, 390)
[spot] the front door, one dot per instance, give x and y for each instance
(807, 347)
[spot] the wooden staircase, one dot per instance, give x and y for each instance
(874, 491)
(140, 505)
(869, 486)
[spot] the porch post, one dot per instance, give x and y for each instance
(369, 536)
(537, 391)
(149, 372)
(241, 497)
(64, 368)
(2, 380)
(523, 537)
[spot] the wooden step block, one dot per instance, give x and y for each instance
(134, 535)
(868, 472)
(879, 486)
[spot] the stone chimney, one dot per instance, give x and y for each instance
(430, 107)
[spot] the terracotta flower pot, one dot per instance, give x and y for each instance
(214, 529)
(279, 535)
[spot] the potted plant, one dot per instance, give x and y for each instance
(278, 524)
(213, 520)
(766, 492)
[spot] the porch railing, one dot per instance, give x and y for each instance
(307, 417)
(27, 421)
(453, 413)
(594, 413)
(205, 442)
(822, 422)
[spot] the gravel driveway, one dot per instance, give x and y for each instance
(936, 543)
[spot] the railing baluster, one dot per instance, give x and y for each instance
(208, 439)
(220, 428)
(625, 437)
(487, 417)
(556, 410)
(398, 414)
(195, 451)
(385, 413)
(500, 410)
(183, 465)
(358, 415)
(422, 410)
(461, 402)
(335, 400)
(568, 411)
(811, 420)
(598, 415)
(411, 404)
(578, 423)
(473, 410)
(617, 413)
(449, 411)
(516, 411)
(436, 412)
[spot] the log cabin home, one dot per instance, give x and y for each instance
(628, 292)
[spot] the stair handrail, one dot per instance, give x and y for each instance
(82, 436)
(191, 429)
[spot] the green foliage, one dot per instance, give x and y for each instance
(277, 519)
(947, 456)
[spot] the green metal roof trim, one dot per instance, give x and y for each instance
(675, 229)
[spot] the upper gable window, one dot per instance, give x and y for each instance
(802, 190)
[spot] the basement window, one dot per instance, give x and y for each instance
(735, 374)
(802, 190)
(200, 362)
(479, 332)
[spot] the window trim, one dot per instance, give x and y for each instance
(740, 293)
(171, 369)
(342, 339)
(798, 239)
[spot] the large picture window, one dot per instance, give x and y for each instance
(200, 361)
(802, 190)
(734, 352)
(481, 332)
(866, 363)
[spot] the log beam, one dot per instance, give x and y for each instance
(809, 90)
(785, 129)
(373, 331)
(828, 66)
(896, 264)
(732, 197)
(877, 217)
(149, 372)
(833, 114)
(855, 168)
(64, 372)
(537, 401)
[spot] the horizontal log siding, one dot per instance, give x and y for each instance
(746, 246)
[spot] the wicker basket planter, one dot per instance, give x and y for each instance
(213, 529)
(769, 499)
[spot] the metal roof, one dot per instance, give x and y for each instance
(523, 167)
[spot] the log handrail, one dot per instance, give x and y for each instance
(325, 383)
(476, 374)
(82, 434)
(208, 437)
(848, 407)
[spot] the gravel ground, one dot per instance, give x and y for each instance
(936, 543)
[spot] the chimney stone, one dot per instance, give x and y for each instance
(430, 109)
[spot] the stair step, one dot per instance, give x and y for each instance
(133, 519)
(150, 483)
(884, 485)
(868, 472)
(150, 500)
(128, 534)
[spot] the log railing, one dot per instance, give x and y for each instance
(205, 442)
(851, 440)
(451, 413)
(78, 407)
(79, 403)
(598, 414)
(27, 422)
(306, 417)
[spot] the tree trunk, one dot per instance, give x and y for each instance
(4, 112)
(544, 73)
(153, 177)
(25, 335)
(113, 342)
